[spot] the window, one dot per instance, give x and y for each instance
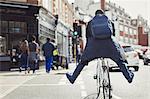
(126, 40)
(0, 25)
(121, 38)
(2, 45)
(134, 31)
(11, 26)
(130, 30)
(23, 26)
(4, 26)
(121, 27)
(60, 42)
(130, 41)
(126, 30)
(17, 27)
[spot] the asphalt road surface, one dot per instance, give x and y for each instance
(15, 85)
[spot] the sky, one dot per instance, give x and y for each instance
(133, 7)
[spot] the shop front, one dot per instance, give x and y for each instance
(46, 28)
(18, 22)
(64, 41)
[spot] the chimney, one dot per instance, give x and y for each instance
(103, 4)
(32, 1)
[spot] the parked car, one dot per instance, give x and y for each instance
(140, 53)
(131, 56)
(146, 57)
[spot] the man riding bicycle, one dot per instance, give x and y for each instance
(104, 47)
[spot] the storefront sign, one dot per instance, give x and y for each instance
(12, 11)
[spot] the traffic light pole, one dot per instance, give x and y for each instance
(75, 53)
(75, 50)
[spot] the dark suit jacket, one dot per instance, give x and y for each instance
(96, 48)
(48, 49)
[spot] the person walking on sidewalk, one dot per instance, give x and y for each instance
(101, 44)
(48, 49)
(24, 47)
(56, 57)
(33, 54)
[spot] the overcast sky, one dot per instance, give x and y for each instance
(133, 7)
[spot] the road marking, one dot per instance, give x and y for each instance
(15, 86)
(82, 87)
(30, 85)
(83, 93)
(62, 81)
(116, 97)
(79, 82)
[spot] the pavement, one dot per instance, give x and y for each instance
(41, 70)
(15, 82)
(21, 78)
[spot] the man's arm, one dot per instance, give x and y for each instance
(88, 30)
(113, 27)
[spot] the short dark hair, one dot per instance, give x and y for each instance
(48, 39)
(99, 12)
(33, 38)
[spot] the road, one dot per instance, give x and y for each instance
(14, 85)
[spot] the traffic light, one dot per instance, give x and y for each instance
(77, 30)
(75, 33)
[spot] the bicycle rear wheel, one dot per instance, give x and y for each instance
(106, 82)
(98, 74)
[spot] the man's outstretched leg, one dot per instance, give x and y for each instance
(76, 73)
(126, 72)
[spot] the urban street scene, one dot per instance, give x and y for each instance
(74, 49)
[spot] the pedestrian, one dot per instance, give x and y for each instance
(79, 53)
(24, 47)
(101, 44)
(56, 57)
(33, 54)
(48, 49)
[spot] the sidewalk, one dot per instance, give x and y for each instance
(41, 70)
(11, 80)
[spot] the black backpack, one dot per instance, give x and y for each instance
(101, 27)
(32, 47)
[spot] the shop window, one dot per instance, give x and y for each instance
(11, 26)
(23, 26)
(0, 26)
(4, 26)
(17, 27)
(2, 45)
(60, 42)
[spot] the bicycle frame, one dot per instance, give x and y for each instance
(103, 79)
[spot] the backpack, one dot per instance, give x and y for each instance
(33, 47)
(101, 27)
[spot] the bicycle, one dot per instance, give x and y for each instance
(103, 79)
